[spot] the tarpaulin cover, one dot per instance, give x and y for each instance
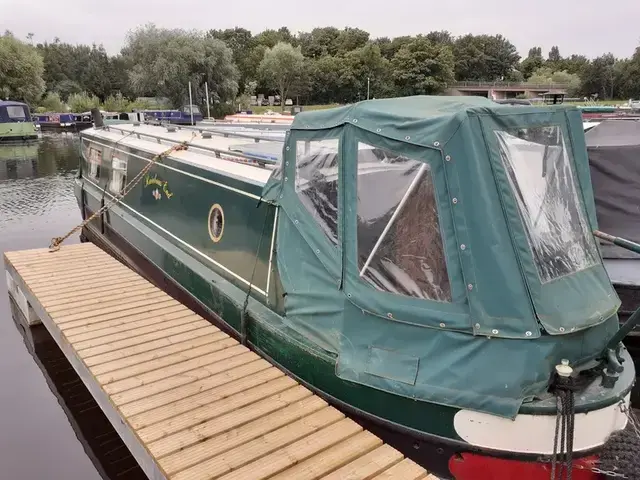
(614, 156)
(14, 112)
(441, 246)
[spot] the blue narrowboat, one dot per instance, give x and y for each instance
(183, 116)
(62, 121)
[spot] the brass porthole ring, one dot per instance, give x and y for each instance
(216, 223)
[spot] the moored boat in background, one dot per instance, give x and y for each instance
(16, 124)
(427, 264)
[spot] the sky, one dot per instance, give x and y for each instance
(585, 27)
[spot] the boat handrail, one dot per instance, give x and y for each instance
(261, 161)
(225, 134)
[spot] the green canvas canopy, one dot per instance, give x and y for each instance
(441, 247)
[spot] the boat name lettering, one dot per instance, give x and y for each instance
(148, 180)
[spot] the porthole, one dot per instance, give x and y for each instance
(216, 223)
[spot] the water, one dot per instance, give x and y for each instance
(50, 428)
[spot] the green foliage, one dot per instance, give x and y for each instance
(546, 75)
(83, 102)
(484, 57)
(21, 70)
(422, 67)
(165, 61)
(282, 69)
(117, 103)
(332, 65)
(52, 103)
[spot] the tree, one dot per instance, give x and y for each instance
(599, 77)
(241, 42)
(533, 62)
(546, 75)
(628, 76)
(554, 55)
(83, 102)
(351, 39)
(165, 61)
(422, 67)
(484, 57)
(21, 70)
(282, 68)
(52, 103)
(364, 69)
(116, 103)
(319, 42)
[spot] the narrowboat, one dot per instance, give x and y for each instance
(613, 146)
(426, 264)
(187, 115)
(62, 122)
(16, 124)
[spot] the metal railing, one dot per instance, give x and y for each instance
(524, 86)
(217, 152)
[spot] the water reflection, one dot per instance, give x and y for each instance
(100, 441)
(49, 427)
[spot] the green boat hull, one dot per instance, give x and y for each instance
(17, 132)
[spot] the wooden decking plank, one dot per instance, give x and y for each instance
(204, 397)
(166, 384)
(164, 362)
(101, 299)
(114, 337)
(266, 444)
(405, 470)
(101, 281)
(190, 401)
(89, 289)
(195, 460)
(72, 278)
(284, 458)
(327, 461)
(149, 346)
(206, 411)
(140, 339)
(367, 466)
(170, 349)
(204, 431)
(125, 324)
(105, 294)
(141, 305)
(88, 324)
(106, 305)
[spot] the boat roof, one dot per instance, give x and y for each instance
(9, 103)
(202, 151)
(427, 121)
(614, 133)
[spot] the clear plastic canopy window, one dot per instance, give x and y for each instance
(540, 174)
(399, 241)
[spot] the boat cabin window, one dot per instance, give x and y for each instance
(540, 173)
(95, 163)
(118, 175)
(187, 109)
(400, 247)
(15, 113)
(317, 182)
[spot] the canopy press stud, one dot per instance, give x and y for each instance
(463, 247)
(442, 325)
(495, 331)
(477, 326)
(455, 201)
(470, 287)
(528, 334)
(448, 158)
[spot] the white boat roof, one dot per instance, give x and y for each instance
(202, 152)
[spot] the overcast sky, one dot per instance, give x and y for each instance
(588, 27)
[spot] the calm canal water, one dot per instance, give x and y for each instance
(50, 428)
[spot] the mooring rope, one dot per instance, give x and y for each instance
(57, 241)
(564, 389)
